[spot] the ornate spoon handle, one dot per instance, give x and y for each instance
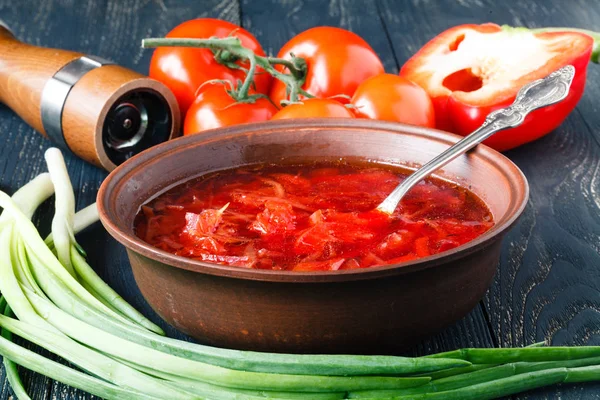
(537, 94)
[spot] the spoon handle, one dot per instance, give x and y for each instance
(537, 94)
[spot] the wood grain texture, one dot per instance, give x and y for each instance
(548, 282)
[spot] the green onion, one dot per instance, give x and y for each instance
(82, 219)
(90, 360)
(64, 243)
(32, 361)
(64, 206)
(502, 356)
(457, 371)
(9, 285)
(477, 377)
(43, 272)
(471, 368)
(215, 392)
(29, 197)
(496, 388)
(37, 250)
(512, 384)
(12, 373)
(106, 294)
(506, 370)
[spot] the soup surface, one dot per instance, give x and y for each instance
(317, 217)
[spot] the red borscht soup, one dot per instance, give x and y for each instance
(313, 217)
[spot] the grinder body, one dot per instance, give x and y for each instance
(102, 112)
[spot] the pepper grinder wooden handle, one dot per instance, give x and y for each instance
(100, 111)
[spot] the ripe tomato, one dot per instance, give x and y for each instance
(184, 69)
(314, 108)
(337, 60)
(214, 108)
(393, 98)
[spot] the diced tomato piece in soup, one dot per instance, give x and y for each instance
(307, 218)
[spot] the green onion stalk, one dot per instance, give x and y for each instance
(59, 372)
(482, 376)
(12, 373)
(64, 208)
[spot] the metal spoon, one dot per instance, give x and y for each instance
(537, 94)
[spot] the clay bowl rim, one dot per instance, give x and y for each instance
(126, 236)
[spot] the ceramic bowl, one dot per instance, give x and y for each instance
(371, 310)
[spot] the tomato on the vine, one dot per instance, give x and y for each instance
(215, 108)
(393, 98)
(313, 108)
(337, 62)
(185, 69)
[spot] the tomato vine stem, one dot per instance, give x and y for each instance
(228, 49)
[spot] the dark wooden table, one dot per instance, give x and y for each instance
(548, 282)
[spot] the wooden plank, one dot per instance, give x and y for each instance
(111, 29)
(547, 285)
(5, 391)
(274, 23)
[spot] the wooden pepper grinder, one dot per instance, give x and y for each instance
(102, 112)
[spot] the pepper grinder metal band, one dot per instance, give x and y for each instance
(57, 90)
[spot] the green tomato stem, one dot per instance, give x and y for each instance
(232, 46)
(595, 57)
(297, 71)
(245, 88)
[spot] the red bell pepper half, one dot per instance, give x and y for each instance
(472, 70)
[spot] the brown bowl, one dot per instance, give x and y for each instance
(372, 310)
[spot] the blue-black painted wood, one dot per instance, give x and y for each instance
(548, 282)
